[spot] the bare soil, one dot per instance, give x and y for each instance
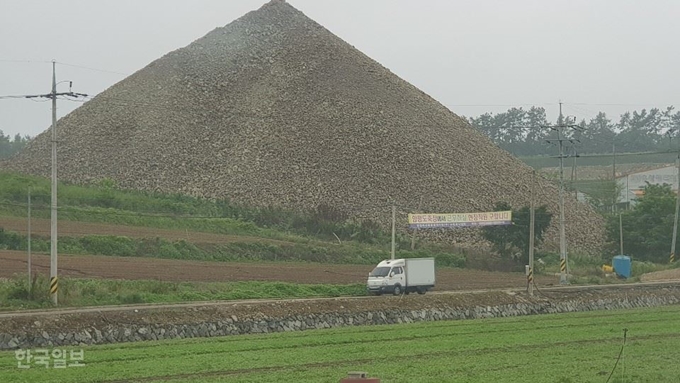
(14, 262)
(90, 266)
(664, 275)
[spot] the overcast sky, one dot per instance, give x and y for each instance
(472, 56)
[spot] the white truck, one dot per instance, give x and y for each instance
(402, 276)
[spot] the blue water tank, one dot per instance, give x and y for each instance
(622, 266)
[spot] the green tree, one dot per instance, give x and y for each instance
(648, 228)
(523, 131)
(599, 135)
(512, 241)
(606, 196)
(9, 147)
(518, 131)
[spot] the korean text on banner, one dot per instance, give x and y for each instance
(419, 221)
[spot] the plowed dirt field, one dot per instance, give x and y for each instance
(86, 266)
(78, 229)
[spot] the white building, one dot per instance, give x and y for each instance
(632, 184)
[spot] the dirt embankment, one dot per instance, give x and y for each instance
(665, 275)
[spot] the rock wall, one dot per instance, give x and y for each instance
(516, 305)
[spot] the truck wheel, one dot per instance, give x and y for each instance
(397, 290)
(421, 290)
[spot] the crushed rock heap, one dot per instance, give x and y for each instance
(273, 109)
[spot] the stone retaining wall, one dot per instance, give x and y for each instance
(233, 325)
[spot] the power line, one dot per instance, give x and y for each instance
(15, 96)
(92, 69)
(25, 61)
(496, 105)
(53, 96)
(560, 141)
(65, 64)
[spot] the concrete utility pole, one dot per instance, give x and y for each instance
(563, 241)
(614, 161)
(29, 239)
(413, 235)
(677, 210)
(573, 171)
(531, 236)
(394, 230)
(621, 232)
(54, 280)
(615, 200)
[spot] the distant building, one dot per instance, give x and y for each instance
(632, 184)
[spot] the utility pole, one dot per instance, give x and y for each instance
(394, 230)
(531, 236)
(563, 241)
(614, 161)
(677, 210)
(29, 240)
(573, 171)
(621, 231)
(413, 235)
(54, 280)
(615, 199)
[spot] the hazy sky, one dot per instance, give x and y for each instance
(472, 56)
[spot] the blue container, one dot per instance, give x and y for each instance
(622, 266)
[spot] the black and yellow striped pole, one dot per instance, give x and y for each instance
(672, 258)
(54, 285)
(563, 265)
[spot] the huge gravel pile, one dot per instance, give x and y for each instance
(273, 109)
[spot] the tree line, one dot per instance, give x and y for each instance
(9, 146)
(523, 132)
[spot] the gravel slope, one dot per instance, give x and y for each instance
(273, 109)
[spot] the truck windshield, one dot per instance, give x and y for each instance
(380, 271)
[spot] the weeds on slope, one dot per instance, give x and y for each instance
(15, 293)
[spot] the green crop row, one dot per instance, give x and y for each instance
(564, 348)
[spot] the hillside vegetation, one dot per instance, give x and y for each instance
(323, 235)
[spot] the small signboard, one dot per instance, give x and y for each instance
(421, 221)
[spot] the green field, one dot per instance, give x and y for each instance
(322, 235)
(603, 159)
(578, 347)
(78, 292)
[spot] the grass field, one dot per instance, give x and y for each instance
(563, 348)
(603, 159)
(14, 293)
(310, 236)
